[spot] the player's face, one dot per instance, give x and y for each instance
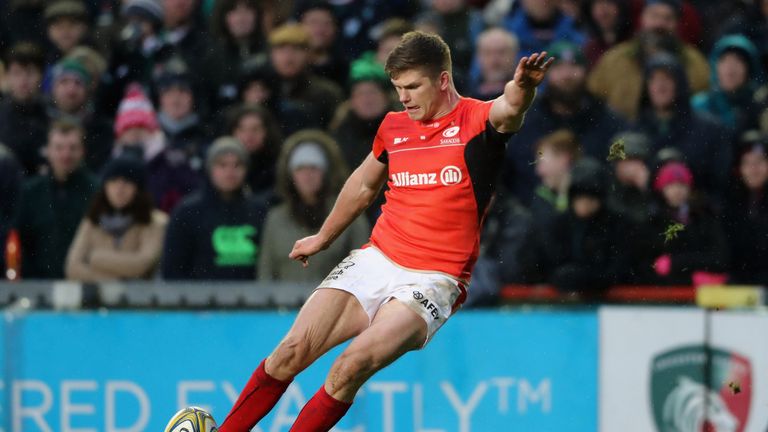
(418, 93)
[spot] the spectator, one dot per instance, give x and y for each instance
(236, 27)
(454, 21)
(52, 205)
(358, 120)
(121, 236)
(310, 174)
(137, 131)
(736, 75)
(564, 104)
(539, 23)
(667, 119)
(23, 119)
(96, 65)
(326, 58)
(22, 21)
(746, 213)
(555, 155)
(701, 244)
(358, 21)
(72, 100)
(494, 63)
(631, 195)
(138, 47)
(300, 90)
(256, 129)
(184, 31)
(10, 189)
(214, 234)
(257, 85)
(67, 22)
(618, 77)
(583, 250)
(609, 23)
(752, 22)
(505, 233)
(178, 117)
(392, 30)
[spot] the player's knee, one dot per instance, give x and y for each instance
(291, 357)
(354, 368)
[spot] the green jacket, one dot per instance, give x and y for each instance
(48, 217)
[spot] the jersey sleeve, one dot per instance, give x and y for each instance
(379, 142)
(479, 113)
(479, 121)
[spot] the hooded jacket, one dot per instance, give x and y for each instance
(737, 110)
(617, 78)
(211, 238)
(703, 143)
(48, 217)
(282, 228)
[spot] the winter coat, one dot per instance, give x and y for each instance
(738, 111)
(188, 136)
(96, 256)
(355, 137)
(746, 225)
(534, 38)
(618, 77)
(701, 246)
(24, 129)
(576, 254)
(281, 230)
(312, 98)
(593, 125)
(48, 217)
(703, 143)
(209, 238)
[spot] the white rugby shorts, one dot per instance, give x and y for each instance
(374, 280)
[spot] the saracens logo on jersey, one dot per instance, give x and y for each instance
(448, 176)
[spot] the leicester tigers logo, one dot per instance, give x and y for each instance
(692, 390)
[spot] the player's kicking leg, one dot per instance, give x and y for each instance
(395, 330)
(328, 318)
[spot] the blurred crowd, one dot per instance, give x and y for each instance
(198, 139)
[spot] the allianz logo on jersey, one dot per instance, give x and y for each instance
(448, 176)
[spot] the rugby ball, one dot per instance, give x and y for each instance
(192, 419)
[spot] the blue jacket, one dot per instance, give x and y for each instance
(533, 39)
(737, 110)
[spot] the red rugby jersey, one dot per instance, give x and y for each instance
(442, 175)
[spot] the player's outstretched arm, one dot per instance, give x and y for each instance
(508, 110)
(359, 191)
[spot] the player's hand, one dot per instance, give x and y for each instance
(306, 247)
(531, 70)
